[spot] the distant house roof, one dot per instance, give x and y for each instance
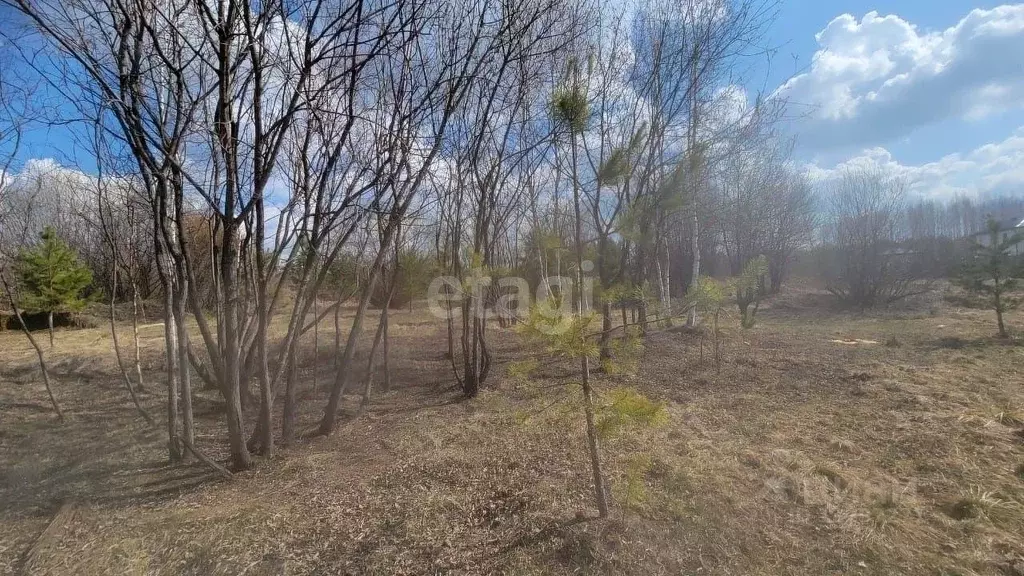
(1005, 225)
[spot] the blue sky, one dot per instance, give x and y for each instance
(933, 89)
(800, 20)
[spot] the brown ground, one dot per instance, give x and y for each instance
(805, 452)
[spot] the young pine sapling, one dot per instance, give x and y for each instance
(991, 275)
(52, 278)
(749, 287)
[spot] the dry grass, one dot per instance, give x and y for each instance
(809, 451)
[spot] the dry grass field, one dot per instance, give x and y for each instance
(823, 442)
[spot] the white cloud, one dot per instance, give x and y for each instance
(992, 169)
(876, 80)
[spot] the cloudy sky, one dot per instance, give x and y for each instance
(933, 89)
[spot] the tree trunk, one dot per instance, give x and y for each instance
(117, 353)
(606, 306)
(606, 329)
(49, 324)
(135, 337)
(240, 457)
(387, 353)
(368, 389)
(718, 358)
(316, 342)
(288, 412)
(588, 399)
(695, 180)
(184, 374)
(382, 334)
(265, 426)
(337, 329)
(470, 361)
(643, 273)
(775, 274)
(999, 315)
(171, 345)
(451, 323)
(694, 319)
(35, 345)
(664, 284)
(342, 378)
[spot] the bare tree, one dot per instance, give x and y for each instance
(35, 345)
(791, 220)
(497, 138)
(763, 207)
(686, 51)
(108, 224)
(864, 265)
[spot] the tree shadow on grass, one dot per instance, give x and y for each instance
(554, 529)
(104, 454)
